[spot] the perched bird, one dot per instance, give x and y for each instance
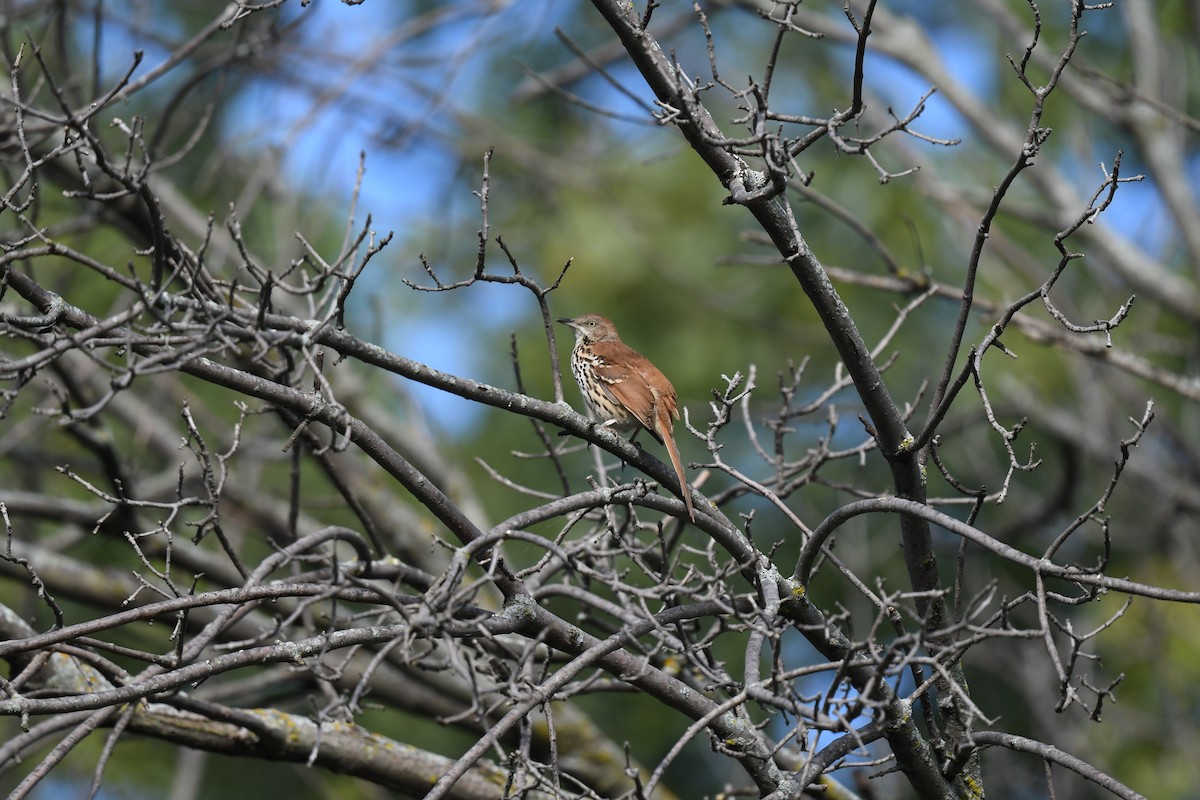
(624, 389)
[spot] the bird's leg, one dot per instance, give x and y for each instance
(608, 423)
(595, 424)
(633, 441)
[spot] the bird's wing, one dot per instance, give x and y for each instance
(631, 380)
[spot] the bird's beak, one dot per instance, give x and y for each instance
(568, 322)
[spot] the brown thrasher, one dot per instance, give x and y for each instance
(624, 389)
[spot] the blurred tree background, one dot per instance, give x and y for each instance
(273, 134)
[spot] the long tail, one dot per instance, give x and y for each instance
(668, 438)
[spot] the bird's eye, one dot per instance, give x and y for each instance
(591, 323)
